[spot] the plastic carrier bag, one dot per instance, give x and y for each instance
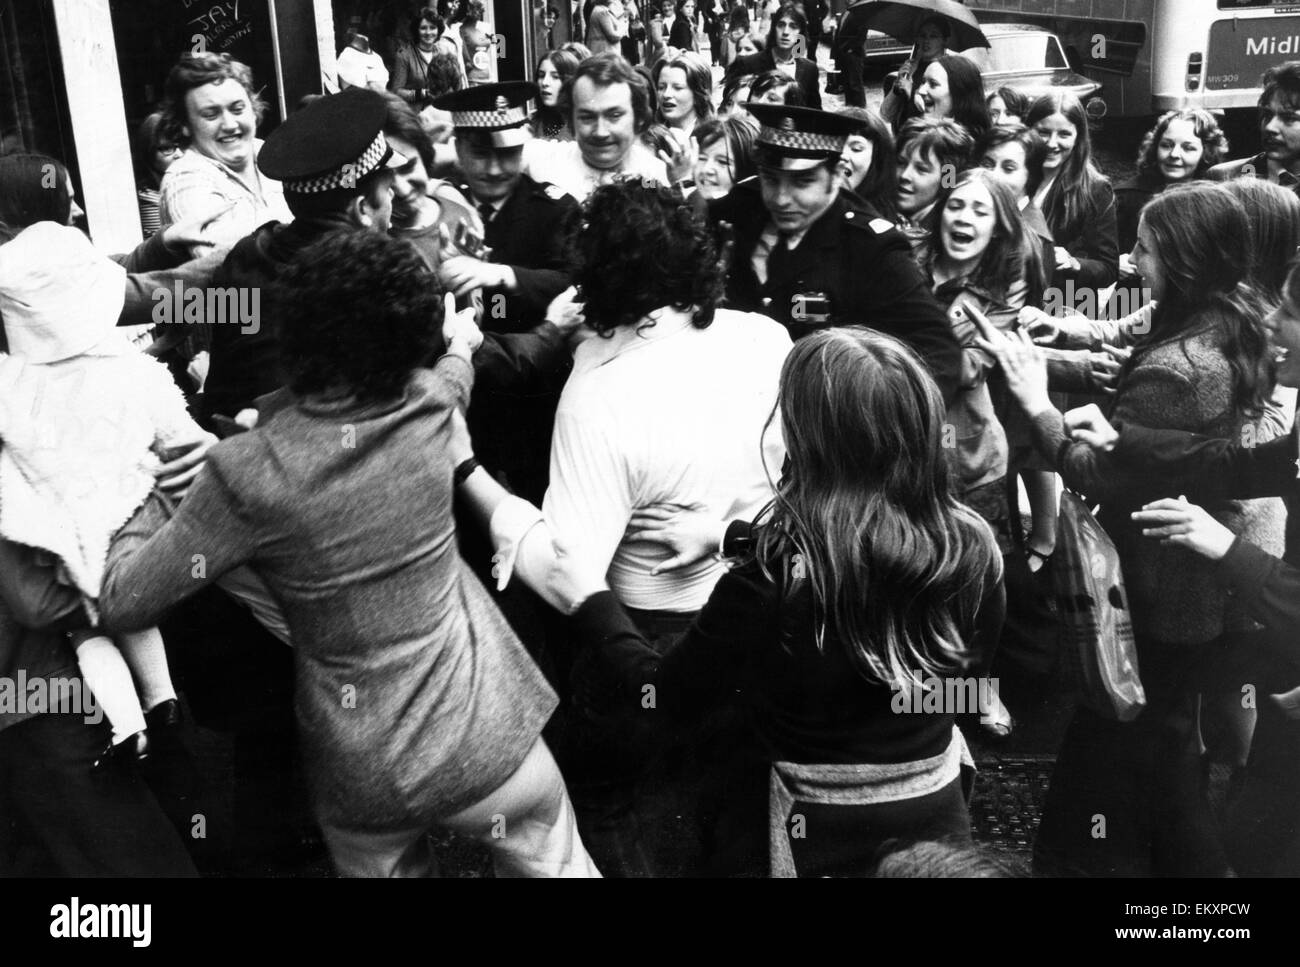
(1097, 646)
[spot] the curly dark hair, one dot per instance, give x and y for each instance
(425, 13)
(356, 312)
(640, 246)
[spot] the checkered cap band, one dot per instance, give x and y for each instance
(346, 176)
(806, 143)
(489, 119)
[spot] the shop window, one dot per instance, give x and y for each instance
(34, 114)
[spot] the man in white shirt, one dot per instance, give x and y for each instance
(670, 403)
(608, 104)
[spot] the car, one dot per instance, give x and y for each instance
(882, 50)
(1030, 60)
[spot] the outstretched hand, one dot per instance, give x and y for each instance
(681, 162)
(684, 529)
(566, 311)
(182, 464)
(1021, 360)
(1187, 525)
(193, 232)
(459, 330)
(1087, 424)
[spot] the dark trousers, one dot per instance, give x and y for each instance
(58, 819)
(238, 679)
(1263, 822)
(625, 775)
(1128, 798)
(852, 67)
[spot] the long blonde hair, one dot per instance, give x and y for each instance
(865, 514)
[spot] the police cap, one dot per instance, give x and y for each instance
(796, 138)
(497, 111)
(330, 144)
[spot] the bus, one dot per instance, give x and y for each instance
(1152, 56)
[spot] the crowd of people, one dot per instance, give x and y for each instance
(587, 466)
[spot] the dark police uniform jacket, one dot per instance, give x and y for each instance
(511, 425)
(245, 364)
(859, 263)
(527, 234)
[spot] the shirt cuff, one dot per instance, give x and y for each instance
(511, 522)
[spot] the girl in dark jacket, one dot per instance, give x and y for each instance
(900, 105)
(1075, 196)
(1201, 365)
(1263, 823)
(1181, 147)
(865, 511)
(683, 34)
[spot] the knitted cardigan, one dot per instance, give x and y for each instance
(78, 456)
(1183, 384)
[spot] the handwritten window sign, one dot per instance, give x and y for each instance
(216, 26)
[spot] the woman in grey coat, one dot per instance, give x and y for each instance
(1202, 366)
(417, 705)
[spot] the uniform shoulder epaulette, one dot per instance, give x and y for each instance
(866, 221)
(442, 188)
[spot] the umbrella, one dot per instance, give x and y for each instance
(901, 18)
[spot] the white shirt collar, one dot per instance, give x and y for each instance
(658, 325)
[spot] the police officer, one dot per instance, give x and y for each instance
(524, 269)
(810, 255)
(523, 219)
